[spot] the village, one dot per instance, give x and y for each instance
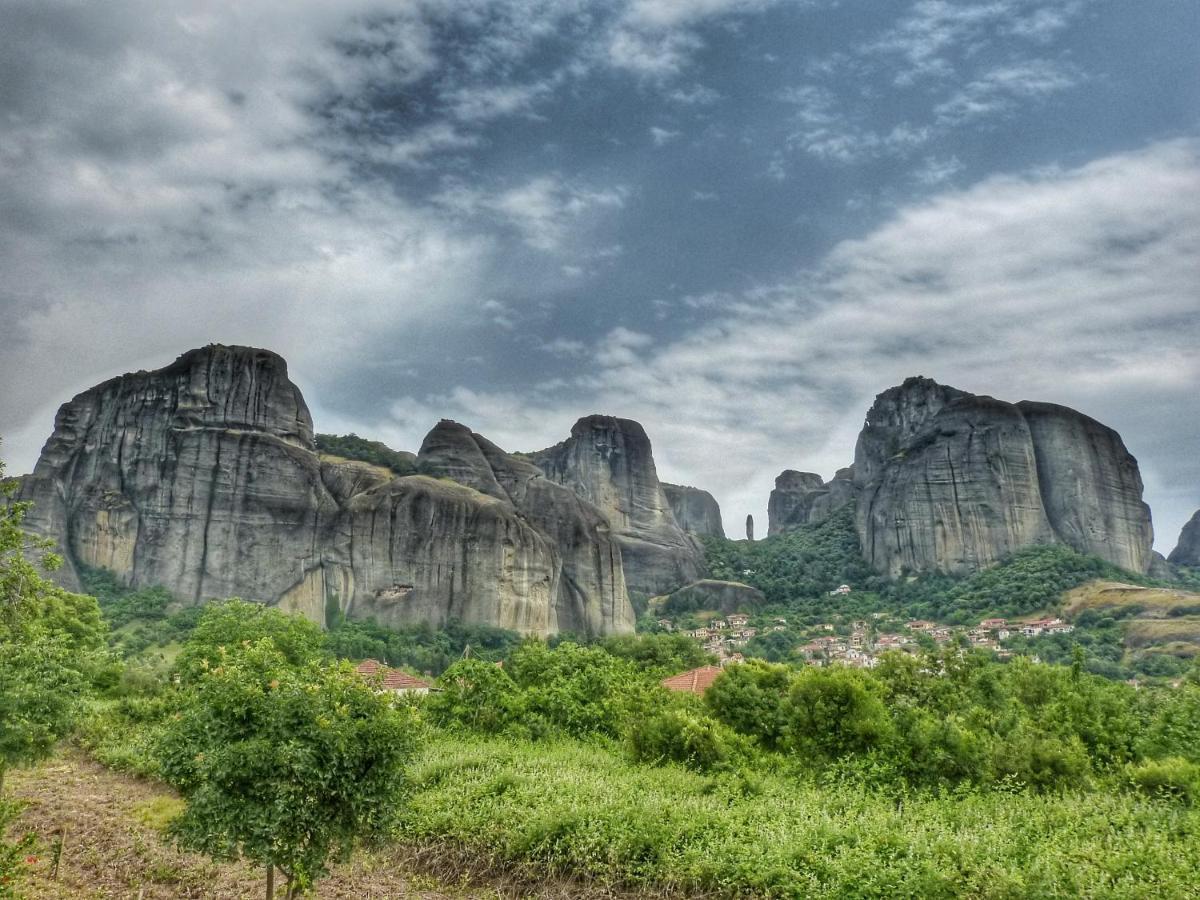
(857, 643)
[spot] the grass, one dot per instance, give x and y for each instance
(1113, 595)
(576, 810)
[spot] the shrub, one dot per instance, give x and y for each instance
(475, 695)
(1174, 778)
(832, 712)
(684, 736)
(750, 699)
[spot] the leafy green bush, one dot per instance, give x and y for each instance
(1174, 778)
(476, 695)
(834, 712)
(684, 736)
(750, 699)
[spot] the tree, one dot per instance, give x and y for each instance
(47, 638)
(284, 763)
(836, 711)
(477, 695)
(234, 623)
(750, 698)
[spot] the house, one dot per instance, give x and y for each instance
(392, 680)
(718, 624)
(737, 620)
(840, 589)
(779, 628)
(695, 681)
(826, 626)
(920, 625)
(992, 624)
(666, 624)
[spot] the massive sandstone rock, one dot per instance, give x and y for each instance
(709, 594)
(696, 511)
(203, 477)
(801, 498)
(949, 480)
(609, 462)
(1187, 551)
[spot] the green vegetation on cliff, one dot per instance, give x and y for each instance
(351, 446)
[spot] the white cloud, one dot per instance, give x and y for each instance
(1075, 286)
(545, 210)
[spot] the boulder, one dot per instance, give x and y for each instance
(709, 594)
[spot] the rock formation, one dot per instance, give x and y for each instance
(953, 481)
(750, 527)
(709, 594)
(1187, 551)
(1091, 486)
(801, 498)
(696, 511)
(203, 477)
(609, 463)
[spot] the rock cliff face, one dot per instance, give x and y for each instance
(953, 481)
(696, 511)
(203, 477)
(1091, 486)
(801, 498)
(609, 463)
(1187, 551)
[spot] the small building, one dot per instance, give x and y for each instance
(737, 620)
(694, 681)
(840, 589)
(392, 680)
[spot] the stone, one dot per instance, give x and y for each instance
(203, 477)
(709, 594)
(1187, 550)
(696, 511)
(609, 463)
(749, 527)
(951, 481)
(1091, 486)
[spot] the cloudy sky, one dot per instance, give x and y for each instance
(734, 220)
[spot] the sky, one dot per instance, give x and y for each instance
(735, 221)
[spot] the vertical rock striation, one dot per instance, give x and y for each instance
(1091, 486)
(609, 463)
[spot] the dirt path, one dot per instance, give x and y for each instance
(114, 848)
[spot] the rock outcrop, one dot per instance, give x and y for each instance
(203, 477)
(708, 594)
(1187, 551)
(609, 463)
(1091, 486)
(802, 498)
(696, 511)
(952, 481)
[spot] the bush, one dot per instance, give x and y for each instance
(685, 736)
(475, 695)
(833, 712)
(750, 698)
(1171, 778)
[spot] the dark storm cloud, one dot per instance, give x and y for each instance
(735, 219)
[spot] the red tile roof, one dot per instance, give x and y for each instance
(393, 679)
(697, 681)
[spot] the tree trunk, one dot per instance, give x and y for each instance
(270, 881)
